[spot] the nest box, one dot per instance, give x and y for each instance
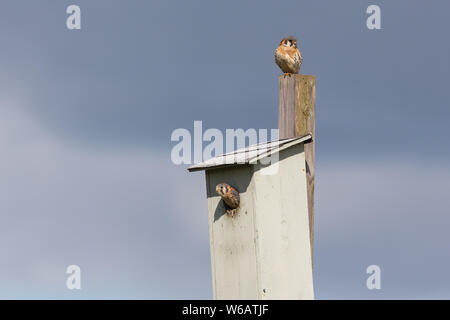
(263, 251)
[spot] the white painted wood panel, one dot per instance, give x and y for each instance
(263, 252)
(233, 253)
(282, 225)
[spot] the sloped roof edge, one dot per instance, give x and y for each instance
(250, 154)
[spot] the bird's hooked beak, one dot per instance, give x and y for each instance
(289, 42)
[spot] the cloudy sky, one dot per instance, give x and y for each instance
(86, 118)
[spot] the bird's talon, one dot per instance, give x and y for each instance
(232, 212)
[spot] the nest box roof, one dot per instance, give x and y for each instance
(250, 154)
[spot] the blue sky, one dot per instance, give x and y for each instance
(86, 118)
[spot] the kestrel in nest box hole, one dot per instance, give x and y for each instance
(288, 57)
(230, 196)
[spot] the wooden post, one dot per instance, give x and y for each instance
(297, 117)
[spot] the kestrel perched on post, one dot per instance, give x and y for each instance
(288, 57)
(230, 196)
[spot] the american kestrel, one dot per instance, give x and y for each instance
(288, 57)
(230, 196)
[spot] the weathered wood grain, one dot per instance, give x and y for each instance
(297, 117)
